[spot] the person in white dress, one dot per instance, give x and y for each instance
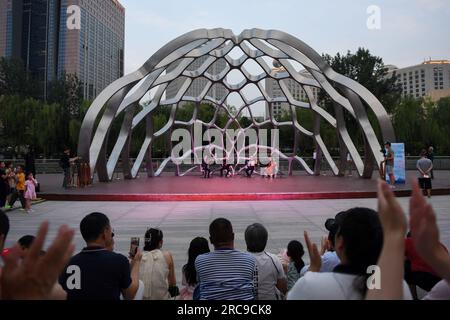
(157, 270)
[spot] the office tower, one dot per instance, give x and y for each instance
(38, 33)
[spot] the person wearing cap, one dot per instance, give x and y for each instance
(389, 163)
(329, 256)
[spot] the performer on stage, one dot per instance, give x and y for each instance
(250, 167)
(226, 166)
(271, 169)
(205, 168)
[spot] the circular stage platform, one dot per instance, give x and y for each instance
(195, 188)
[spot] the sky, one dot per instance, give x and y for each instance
(410, 30)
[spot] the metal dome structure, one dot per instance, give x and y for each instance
(174, 62)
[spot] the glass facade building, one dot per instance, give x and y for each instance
(36, 31)
(95, 52)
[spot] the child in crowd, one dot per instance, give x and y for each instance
(197, 247)
(295, 252)
(30, 191)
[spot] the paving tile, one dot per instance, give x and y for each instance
(183, 221)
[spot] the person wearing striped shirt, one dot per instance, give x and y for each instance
(226, 273)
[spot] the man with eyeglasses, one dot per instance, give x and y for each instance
(97, 273)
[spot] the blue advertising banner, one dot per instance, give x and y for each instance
(399, 163)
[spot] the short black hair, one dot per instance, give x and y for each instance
(4, 224)
(93, 225)
(362, 233)
(221, 231)
(256, 236)
(423, 153)
(387, 143)
(332, 225)
(26, 241)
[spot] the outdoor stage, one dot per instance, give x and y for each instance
(195, 188)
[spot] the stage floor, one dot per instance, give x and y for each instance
(195, 188)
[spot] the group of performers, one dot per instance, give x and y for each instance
(227, 169)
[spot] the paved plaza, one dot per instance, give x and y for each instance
(182, 221)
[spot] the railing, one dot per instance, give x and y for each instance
(51, 166)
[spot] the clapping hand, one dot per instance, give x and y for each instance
(391, 214)
(424, 229)
(325, 246)
(314, 255)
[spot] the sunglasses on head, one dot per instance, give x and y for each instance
(149, 232)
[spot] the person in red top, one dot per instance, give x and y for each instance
(417, 272)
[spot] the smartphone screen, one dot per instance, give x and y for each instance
(134, 245)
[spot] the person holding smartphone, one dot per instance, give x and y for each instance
(157, 269)
(98, 273)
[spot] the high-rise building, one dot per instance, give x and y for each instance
(273, 90)
(96, 51)
(217, 91)
(10, 28)
(37, 32)
(27, 30)
(426, 79)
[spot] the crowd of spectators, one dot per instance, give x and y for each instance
(360, 242)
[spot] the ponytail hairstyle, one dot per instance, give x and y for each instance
(295, 251)
(152, 238)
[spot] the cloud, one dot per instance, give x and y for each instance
(434, 5)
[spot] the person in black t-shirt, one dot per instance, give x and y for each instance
(97, 273)
(65, 163)
(30, 162)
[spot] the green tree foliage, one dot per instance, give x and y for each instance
(14, 80)
(421, 122)
(371, 72)
(55, 123)
(26, 121)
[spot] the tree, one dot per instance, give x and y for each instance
(15, 80)
(409, 119)
(369, 71)
(440, 120)
(68, 92)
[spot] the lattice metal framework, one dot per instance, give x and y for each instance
(123, 97)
